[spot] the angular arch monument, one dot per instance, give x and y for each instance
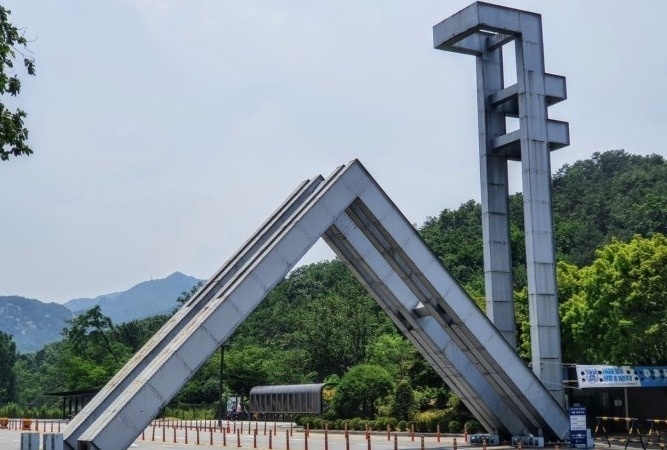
(368, 232)
(373, 238)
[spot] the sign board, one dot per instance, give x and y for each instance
(604, 376)
(578, 426)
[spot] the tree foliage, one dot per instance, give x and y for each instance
(359, 391)
(7, 375)
(13, 51)
(617, 308)
(403, 403)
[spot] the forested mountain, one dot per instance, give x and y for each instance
(146, 299)
(612, 195)
(34, 323)
(31, 322)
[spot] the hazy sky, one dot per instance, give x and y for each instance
(166, 131)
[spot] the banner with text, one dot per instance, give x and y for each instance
(603, 376)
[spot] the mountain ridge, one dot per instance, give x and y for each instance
(34, 323)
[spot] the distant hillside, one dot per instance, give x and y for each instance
(31, 322)
(143, 300)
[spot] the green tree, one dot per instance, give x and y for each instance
(393, 352)
(616, 313)
(360, 390)
(13, 133)
(7, 375)
(403, 403)
(89, 355)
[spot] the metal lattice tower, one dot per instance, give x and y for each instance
(481, 30)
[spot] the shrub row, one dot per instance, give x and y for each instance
(425, 422)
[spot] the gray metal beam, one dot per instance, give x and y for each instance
(489, 406)
(159, 342)
(466, 324)
(161, 379)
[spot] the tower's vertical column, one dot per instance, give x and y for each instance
(538, 217)
(498, 279)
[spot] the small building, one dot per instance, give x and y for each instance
(74, 401)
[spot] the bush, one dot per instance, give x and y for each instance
(357, 424)
(403, 403)
(360, 389)
(402, 425)
(454, 426)
(428, 421)
(473, 426)
(392, 422)
(379, 424)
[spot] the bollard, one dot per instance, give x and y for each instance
(254, 439)
(52, 426)
(143, 437)
(241, 427)
(465, 434)
(368, 442)
(164, 433)
(305, 440)
(174, 435)
(347, 439)
(265, 428)
(235, 427)
(153, 435)
(438, 432)
(29, 441)
(238, 438)
(326, 438)
(422, 442)
(197, 431)
(270, 441)
(186, 435)
(37, 425)
(455, 446)
(412, 433)
(291, 432)
(368, 434)
(396, 442)
(58, 426)
(388, 433)
(307, 429)
(275, 430)
(210, 435)
(224, 438)
(287, 439)
(52, 441)
(255, 427)
(228, 429)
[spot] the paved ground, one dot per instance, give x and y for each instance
(235, 440)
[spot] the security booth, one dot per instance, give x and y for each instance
(74, 401)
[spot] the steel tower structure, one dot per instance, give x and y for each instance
(481, 30)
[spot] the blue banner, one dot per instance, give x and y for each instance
(604, 376)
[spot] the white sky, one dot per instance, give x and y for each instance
(166, 131)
